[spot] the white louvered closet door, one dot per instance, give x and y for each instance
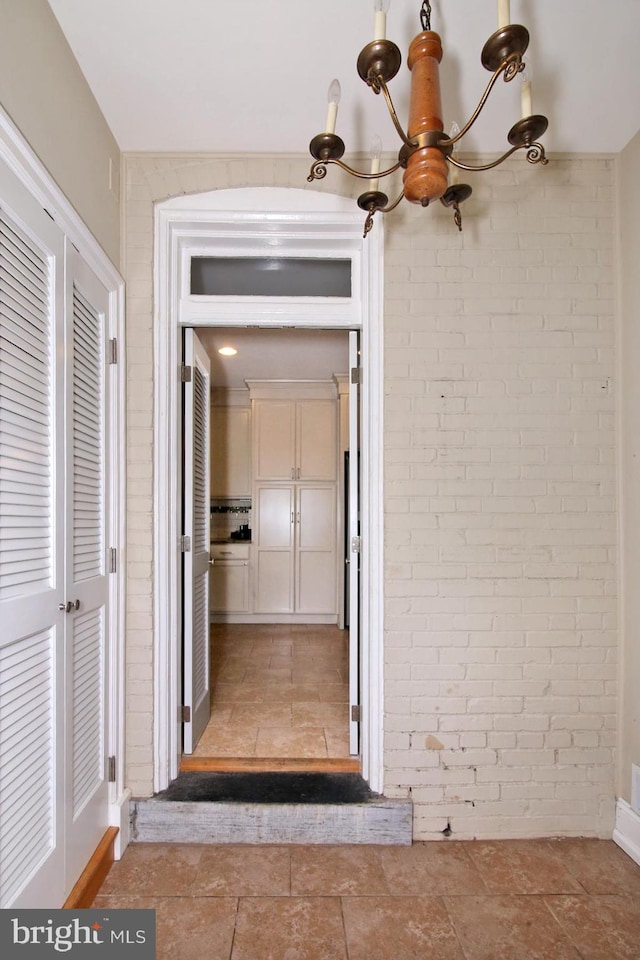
(87, 471)
(196, 528)
(31, 553)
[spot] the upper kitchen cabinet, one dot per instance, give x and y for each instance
(294, 430)
(231, 451)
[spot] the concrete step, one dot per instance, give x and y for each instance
(176, 817)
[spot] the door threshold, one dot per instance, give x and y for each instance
(271, 765)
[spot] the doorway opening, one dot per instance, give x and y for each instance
(254, 222)
(283, 598)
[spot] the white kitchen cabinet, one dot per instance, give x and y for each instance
(295, 549)
(229, 582)
(230, 451)
(295, 439)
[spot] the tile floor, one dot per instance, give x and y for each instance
(476, 900)
(278, 690)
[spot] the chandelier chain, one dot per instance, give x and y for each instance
(425, 15)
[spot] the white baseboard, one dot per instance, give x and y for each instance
(119, 816)
(627, 830)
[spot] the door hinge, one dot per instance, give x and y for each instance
(185, 544)
(111, 769)
(355, 713)
(356, 374)
(355, 544)
(185, 374)
(113, 351)
(185, 714)
(113, 560)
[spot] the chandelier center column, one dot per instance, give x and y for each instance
(425, 178)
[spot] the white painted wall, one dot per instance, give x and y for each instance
(629, 260)
(500, 641)
(46, 95)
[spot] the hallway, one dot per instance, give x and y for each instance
(277, 691)
(475, 900)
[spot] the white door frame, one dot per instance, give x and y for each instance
(294, 223)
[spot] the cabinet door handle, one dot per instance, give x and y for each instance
(298, 517)
(293, 473)
(292, 517)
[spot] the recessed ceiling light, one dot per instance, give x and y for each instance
(227, 351)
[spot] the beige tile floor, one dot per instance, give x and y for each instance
(476, 900)
(278, 690)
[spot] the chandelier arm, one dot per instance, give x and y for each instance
(490, 166)
(510, 66)
(368, 175)
(392, 206)
(318, 170)
(536, 154)
(394, 116)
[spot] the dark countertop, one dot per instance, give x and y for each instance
(230, 540)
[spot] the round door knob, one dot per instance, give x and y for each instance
(62, 607)
(75, 605)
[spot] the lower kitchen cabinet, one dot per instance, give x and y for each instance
(295, 534)
(229, 583)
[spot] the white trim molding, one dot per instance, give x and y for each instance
(291, 222)
(16, 153)
(627, 830)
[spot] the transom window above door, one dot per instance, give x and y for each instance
(270, 277)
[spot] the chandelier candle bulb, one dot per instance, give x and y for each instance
(504, 14)
(381, 8)
(526, 100)
(454, 175)
(376, 150)
(333, 99)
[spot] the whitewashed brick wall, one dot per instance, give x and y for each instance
(500, 515)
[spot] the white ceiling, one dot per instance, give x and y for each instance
(252, 75)
(288, 354)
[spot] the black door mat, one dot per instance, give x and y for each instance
(269, 788)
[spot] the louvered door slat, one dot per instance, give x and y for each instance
(29, 734)
(15, 391)
(31, 281)
(21, 850)
(22, 552)
(201, 635)
(13, 536)
(87, 706)
(32, 783)
(26, 474)
(88, 459)
(18, 298)
(14, 425)
(13, 356)
(37, 688)
(17, 325)
(14, 239)
(201, 502)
